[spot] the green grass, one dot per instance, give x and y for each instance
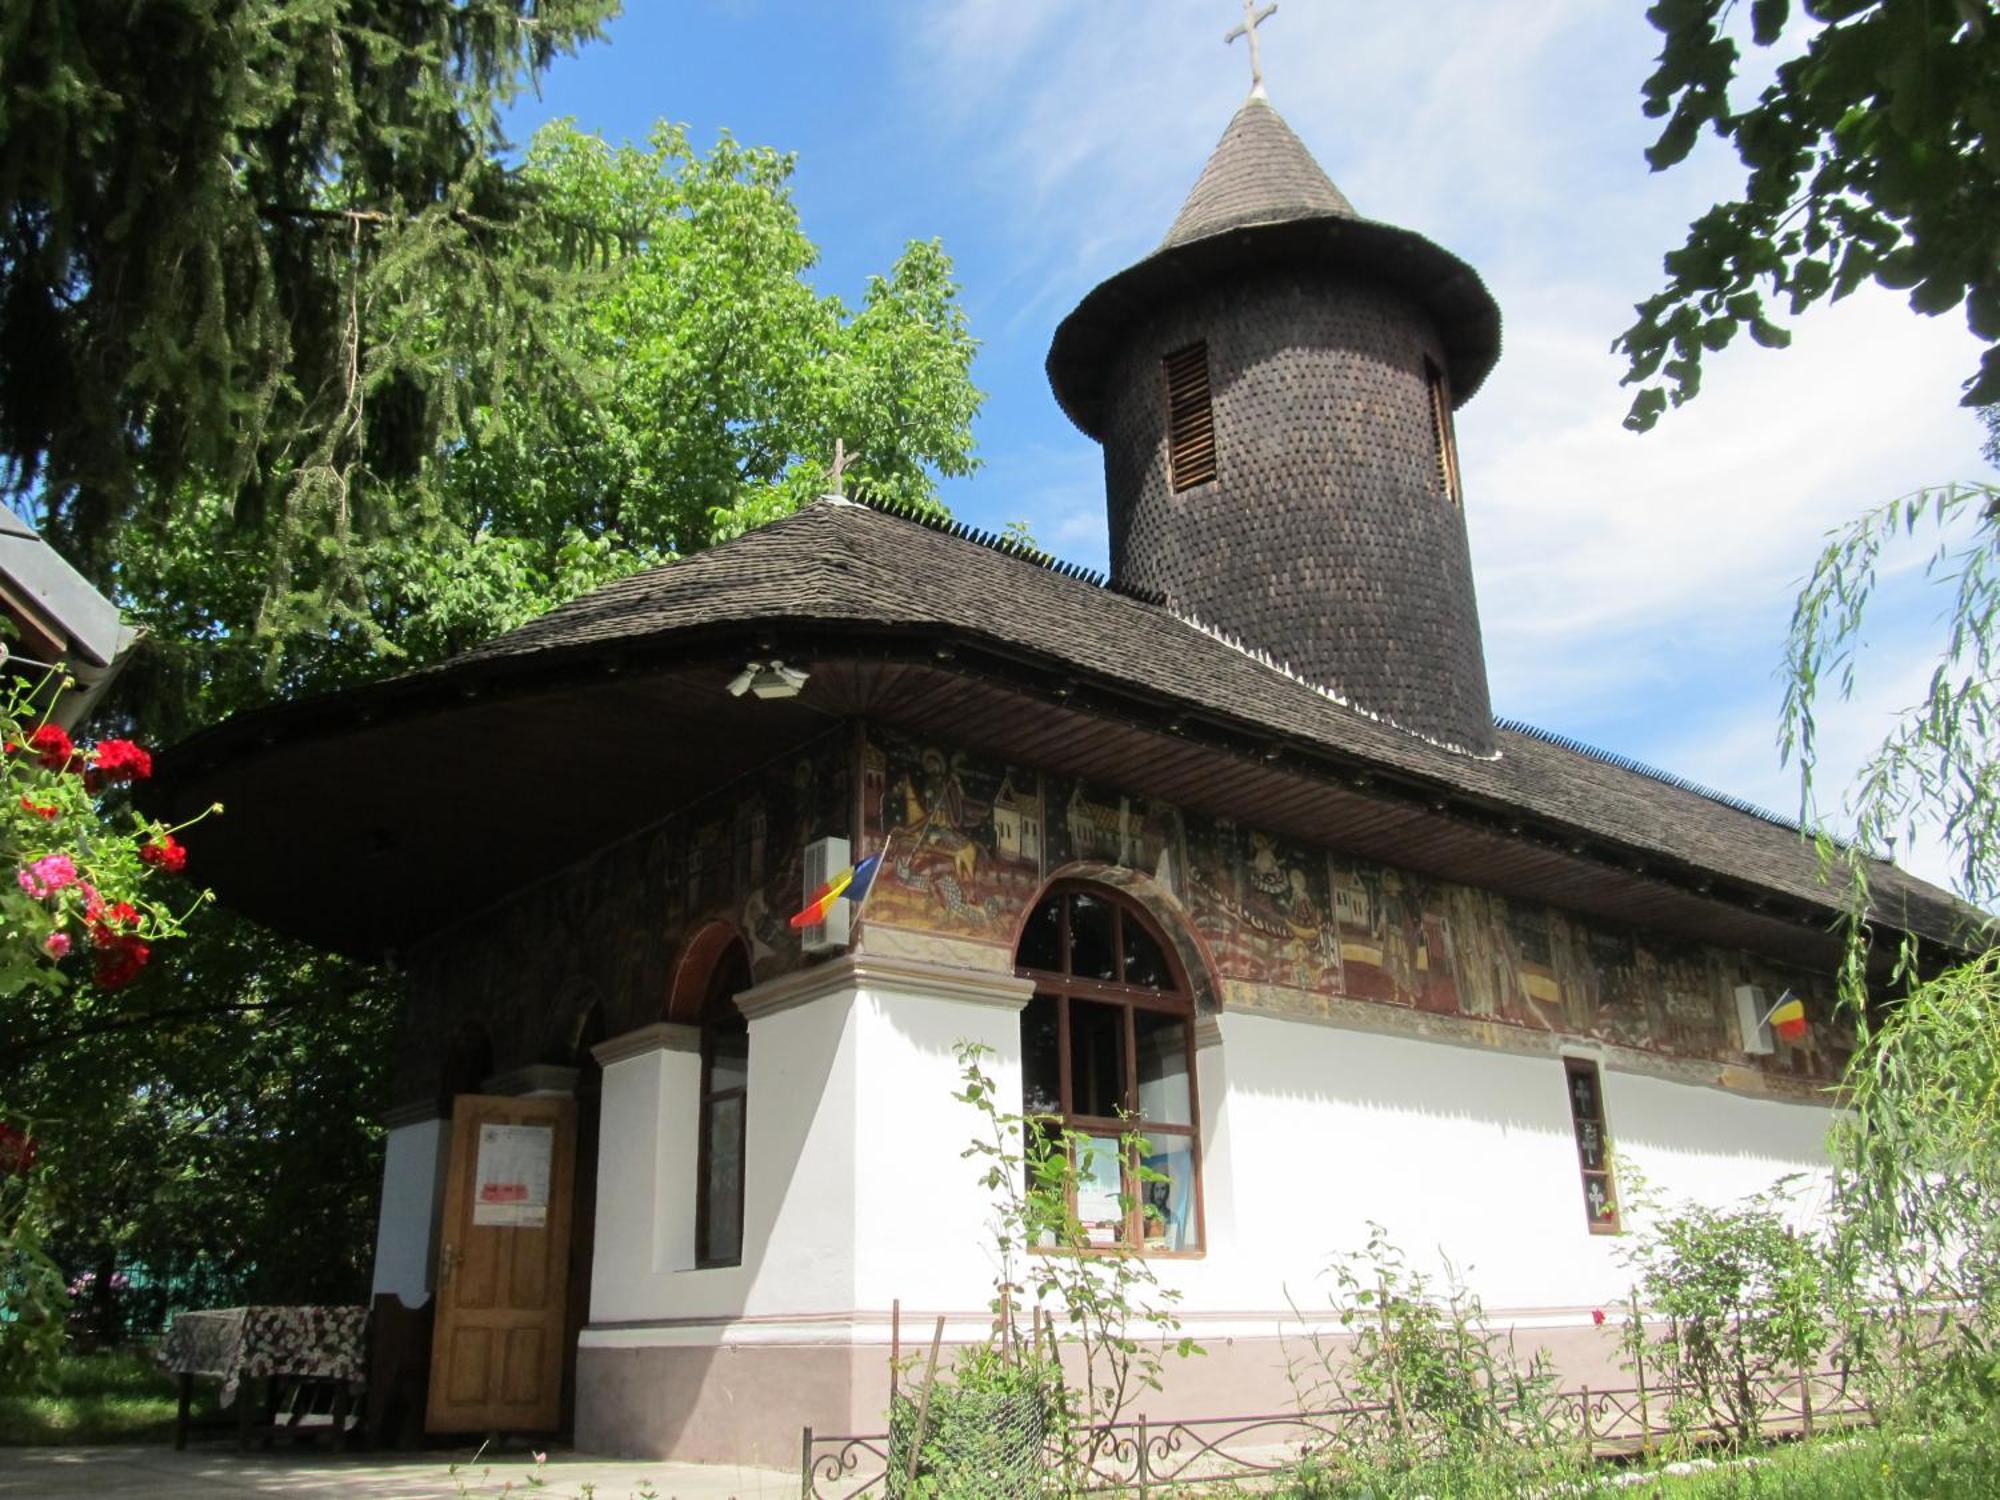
(113, 1397)
(1961, 1462)
(1958, 1461)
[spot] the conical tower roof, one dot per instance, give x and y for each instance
(1263, 203)
(1259, 173)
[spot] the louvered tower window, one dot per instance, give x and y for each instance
(1190, 418)
(1441, 430)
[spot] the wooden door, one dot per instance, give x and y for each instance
(503, 1267)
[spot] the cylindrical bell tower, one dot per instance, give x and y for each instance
(1274, 391)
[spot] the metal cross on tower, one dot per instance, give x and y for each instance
(837, 473)
(1252, 19)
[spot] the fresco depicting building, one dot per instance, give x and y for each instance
(1230, 838)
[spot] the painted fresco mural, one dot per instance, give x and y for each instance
(602, 935)
(963, 842)
(968, 843)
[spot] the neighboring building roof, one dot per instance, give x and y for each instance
(1263, 202)
(838, 579)
(36, 573)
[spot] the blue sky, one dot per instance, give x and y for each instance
(1633, 590)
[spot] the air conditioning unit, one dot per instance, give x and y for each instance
(1751, 1008)
(826, 858)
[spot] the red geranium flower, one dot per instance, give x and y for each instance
(167, 853)
(116, 761)
(120, 961)
(105, 922)
(17, 1151)
(29, 804)
(50, 744)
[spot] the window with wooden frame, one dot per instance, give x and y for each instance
(1190, 418)
(1107, 1050)
(1442, 432)
(1593, 1143)
(725, 1101)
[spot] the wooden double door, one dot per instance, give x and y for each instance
(497, 1350)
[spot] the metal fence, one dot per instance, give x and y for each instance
(1144, 1457)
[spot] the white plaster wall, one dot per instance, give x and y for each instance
(650, 1110)
(859, 1194)
(413, 1166)
(923, 1222)
(1312, 1131)
(799, 1191)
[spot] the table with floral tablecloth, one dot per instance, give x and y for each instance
(235, 1343)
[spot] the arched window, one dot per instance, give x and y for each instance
(1107, 1048)
(725, 1084)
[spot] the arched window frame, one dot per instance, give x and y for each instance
(1065, 988)
(725, 1082)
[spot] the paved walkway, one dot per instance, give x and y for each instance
(213, 1472)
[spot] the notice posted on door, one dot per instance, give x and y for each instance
(513, 1180)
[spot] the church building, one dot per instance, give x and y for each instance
(1230, 838)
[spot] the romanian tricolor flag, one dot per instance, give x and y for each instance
(851, 882)
(1788, 1017)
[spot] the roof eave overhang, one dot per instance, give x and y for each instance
(846, 660)
(1450, 291)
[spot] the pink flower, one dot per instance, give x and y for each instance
(1597, 1316)
(47, 875)
(56, 945)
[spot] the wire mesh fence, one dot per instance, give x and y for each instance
(975, 1444)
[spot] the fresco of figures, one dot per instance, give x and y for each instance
(601, 936)
(968, 843)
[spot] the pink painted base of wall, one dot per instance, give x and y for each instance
(747, 1403)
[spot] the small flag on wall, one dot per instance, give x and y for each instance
(851, 883)
(1788, 1017)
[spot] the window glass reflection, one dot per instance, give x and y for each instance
(1041, 939)
(723, 1226)
(1163, 1067)
(1100, 1189)
(1096, 1058)
(1145, 961)
(1092, 951)
(1041, 1057)
(1167, 1206)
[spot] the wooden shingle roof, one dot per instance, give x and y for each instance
(1259, 173)
(838, 563)
(1263, 203)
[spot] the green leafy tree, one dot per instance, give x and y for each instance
(730, 377)
(711, 382)
(706, 384)
(1874, 153)
(260, 248)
